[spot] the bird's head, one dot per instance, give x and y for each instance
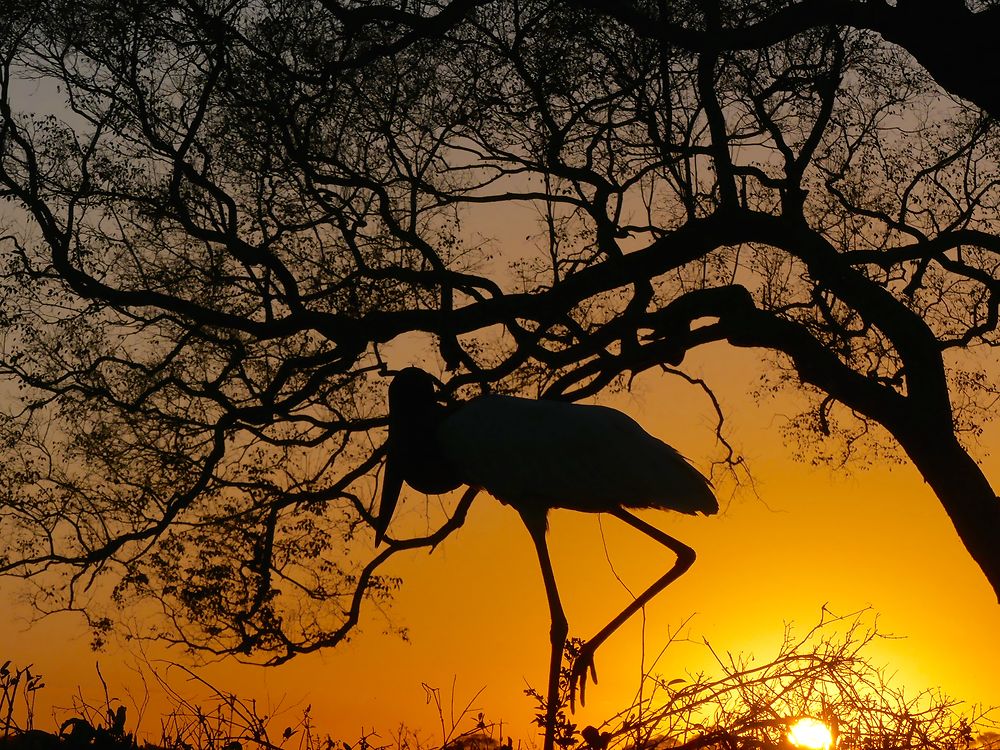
(412, 390)
(412, 413)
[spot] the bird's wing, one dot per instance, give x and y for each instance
(556, 454)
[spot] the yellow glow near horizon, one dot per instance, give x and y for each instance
(810, 733)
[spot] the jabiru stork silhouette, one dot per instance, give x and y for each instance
(537, 455)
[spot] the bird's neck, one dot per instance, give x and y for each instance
(413, 433)
(415, 421)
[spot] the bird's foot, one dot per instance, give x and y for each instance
(583, 664)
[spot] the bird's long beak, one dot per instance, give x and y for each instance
(391, 487)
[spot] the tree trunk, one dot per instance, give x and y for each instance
(963, 490)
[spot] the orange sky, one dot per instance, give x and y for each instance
(477, 615)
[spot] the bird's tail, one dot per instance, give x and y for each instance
(694, 490)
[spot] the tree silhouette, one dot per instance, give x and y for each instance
(218, 215)
(949, 38)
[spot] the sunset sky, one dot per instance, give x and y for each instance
(477, 618)
(804, 536)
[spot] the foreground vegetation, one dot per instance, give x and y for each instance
(746, 704)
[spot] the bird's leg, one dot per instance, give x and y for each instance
(535, 523)
(685, 558)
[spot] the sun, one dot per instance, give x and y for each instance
(810, 733)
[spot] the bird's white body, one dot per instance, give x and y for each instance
(552, 454)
